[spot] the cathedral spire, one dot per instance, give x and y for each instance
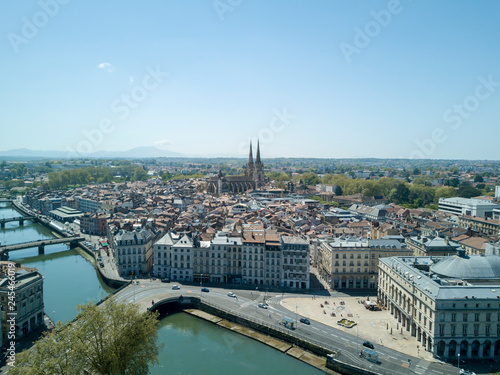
(257, 159)
(250, 155)
(250, 166)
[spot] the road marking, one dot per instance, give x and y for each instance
(317, 329)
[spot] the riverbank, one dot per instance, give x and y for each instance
(109, 278)
(282, 346)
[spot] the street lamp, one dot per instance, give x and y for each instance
(459, 363)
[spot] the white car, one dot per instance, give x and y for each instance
(466, 372)
(176, 287)
(231, 294)
(262, 305)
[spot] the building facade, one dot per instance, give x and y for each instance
(133, 251)
(28, 291)
(467, 206)
(431, 246)
(256, 257)
(450, 304)
(351, 262)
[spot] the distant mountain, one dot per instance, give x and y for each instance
(138, 152)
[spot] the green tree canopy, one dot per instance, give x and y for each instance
(110, 339)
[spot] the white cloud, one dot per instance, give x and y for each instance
(106, 66)
(131, 79)
(163, 144)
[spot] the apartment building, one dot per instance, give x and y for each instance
(350, 262)
(254, 258)
(28, 289)
(450, 304)
(133, 251)
(467, 206)
(431, 246)
(296, 260)
(489, 227)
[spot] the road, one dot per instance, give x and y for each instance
(246, 304)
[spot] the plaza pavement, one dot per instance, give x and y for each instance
(373, 326)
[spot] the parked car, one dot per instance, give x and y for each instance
(206, 290)
(305, 321)
(262, 305)
(165, 280)
(176, 287)
(368, 344)
(466, 372)
(231, 294)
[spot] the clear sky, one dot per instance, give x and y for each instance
(325, 78)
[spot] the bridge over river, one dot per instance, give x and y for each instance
(19, 219)
(73, 242)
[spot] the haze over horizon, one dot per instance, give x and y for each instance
(325, 79)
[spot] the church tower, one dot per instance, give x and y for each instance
(258, 174)
(249, 172)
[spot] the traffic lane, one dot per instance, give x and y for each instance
(390, 355)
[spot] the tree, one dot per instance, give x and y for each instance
(166, 176)
(399, 195)
(416, 171)
(478, 178)
(466, 191)
(140, 174)
(113, 339)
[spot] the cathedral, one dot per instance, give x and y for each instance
(252, 179)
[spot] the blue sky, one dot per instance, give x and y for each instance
(329, 79)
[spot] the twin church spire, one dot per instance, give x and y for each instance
(255, 171)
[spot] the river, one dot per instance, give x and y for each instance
(191, 345)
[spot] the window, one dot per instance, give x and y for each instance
(453, 330)
(441, 330)
(487, 329)
(453, 317)
(464, 330)
(476, 329)
(488, 317)
(476, 317)
(465, 317)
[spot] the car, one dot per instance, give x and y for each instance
(101, 264)
(99, 259)
(466, 372)
(206, 290)
(176, 287)
(231, 294)
(262, 305)
(165, 280)
(305, 321)
(368, 344)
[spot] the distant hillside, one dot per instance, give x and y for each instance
(138, 152)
